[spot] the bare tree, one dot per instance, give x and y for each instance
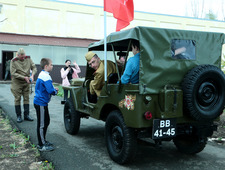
(210, 15)
(197, 8)
(202, 7)
(223, 10)
(210, 9)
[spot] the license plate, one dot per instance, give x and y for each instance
(163, 128)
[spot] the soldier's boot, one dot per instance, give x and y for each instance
(26, 113)
(18, 113)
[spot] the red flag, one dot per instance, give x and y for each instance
(121, 24)
(123, 11)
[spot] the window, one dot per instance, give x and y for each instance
(183, 49)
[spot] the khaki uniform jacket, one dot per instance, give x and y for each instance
(21, 68)
(98, 82)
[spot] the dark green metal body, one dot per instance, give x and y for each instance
(161, 106)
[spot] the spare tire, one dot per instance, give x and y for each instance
(204, 92)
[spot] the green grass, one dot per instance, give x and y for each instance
(6, 120)
(3, 156)
(33, 145)
(45, 165)
(13, 145)
(48, 166)
(13, 155)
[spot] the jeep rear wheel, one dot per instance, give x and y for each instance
(190, 144)
(204, 92)
(121, 141)
(71, 118)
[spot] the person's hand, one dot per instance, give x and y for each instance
(57, 89)
(32, 78)
(27, 79)
(68, 69)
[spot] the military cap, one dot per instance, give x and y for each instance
(21, 51)
(89, 56)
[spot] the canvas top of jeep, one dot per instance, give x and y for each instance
(181, 91)
(158, 63)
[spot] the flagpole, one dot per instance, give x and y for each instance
(105, 48)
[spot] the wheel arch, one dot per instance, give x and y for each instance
(73, 97)
(106, 109)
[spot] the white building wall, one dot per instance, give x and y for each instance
(52, 18)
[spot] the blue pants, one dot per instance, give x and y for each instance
(6, 74)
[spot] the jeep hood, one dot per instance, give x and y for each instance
(157, 67)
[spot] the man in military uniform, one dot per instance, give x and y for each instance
(98, 82)
(20, 71)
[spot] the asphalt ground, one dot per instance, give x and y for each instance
(87, 150)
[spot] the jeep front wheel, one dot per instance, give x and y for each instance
(190, 144)
(121, 141)
(71, 118)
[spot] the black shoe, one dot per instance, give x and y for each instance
(19, 119)
(63, 102)
(28, 118)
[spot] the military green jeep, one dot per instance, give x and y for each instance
(181, 92)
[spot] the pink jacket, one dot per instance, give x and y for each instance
(65, 81)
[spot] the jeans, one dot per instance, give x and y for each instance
(6, 74)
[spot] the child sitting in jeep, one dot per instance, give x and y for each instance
(131, 72)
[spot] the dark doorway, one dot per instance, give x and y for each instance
(6, 55)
